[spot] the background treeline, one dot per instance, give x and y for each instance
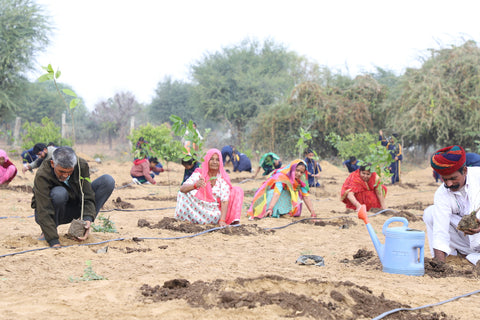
(257, 95)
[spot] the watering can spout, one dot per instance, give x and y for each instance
(362, 214)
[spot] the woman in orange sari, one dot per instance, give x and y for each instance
(363, 187)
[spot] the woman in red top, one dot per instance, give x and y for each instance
(141, 170)
(363, 187)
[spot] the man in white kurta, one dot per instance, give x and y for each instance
(458, 196)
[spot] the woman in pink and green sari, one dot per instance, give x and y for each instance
(283, 193)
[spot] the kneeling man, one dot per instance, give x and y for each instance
(57, 193)
(458, 196)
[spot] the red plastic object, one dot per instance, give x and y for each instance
(362, 213)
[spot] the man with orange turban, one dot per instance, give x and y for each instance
(456, 197)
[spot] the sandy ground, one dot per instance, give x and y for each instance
(246, 272)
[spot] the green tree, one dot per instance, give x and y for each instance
(160, 140)
(44, 133)
(329, 104)
(40, 100)
(171, 97)
(234, 85)
(161, 143)
(24, 31)
(439, 103)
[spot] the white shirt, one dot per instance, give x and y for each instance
(451, 206)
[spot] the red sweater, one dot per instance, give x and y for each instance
(141, 167)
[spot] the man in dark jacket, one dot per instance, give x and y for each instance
(57, 193)
(241, 162)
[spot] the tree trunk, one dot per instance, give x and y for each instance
(110, 140)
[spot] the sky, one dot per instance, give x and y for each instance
(103, 47)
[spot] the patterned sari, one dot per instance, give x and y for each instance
(283, 182)
(203, 205)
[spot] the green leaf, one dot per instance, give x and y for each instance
(58, 74)
(45, 77)
(74, 103)
(69, 92)
(175, 118)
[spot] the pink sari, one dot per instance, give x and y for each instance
(235, 200)
(8, 171)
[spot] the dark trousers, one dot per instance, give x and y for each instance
(394, 169)
(65, 211)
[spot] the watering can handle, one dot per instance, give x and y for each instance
(394, 219)
(421, 255)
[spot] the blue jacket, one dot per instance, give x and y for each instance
(313, 167)
(473, 159)
(351, 167)
(241, 162)
(28, 156)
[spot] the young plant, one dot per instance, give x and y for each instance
(301, 145)
(52, 75)
(88, 274)
(104, 225)
(188, 132)
(378, 160)
(355, 144)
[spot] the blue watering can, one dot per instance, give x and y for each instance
(403, 251)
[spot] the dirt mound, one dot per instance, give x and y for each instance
(335, 171)
(186, 227)
(119, 204)
(412, 206)
(309, 298)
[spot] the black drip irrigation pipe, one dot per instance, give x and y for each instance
(16, 217)
(131, 210)
(121, 239)
(425, 306)
(72, 245)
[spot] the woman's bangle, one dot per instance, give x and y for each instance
(221, 220)
(195, 185)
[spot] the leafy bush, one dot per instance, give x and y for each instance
(366, 148)
(44, 133)
(355, 144)
(160, 142)
(378, 158)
